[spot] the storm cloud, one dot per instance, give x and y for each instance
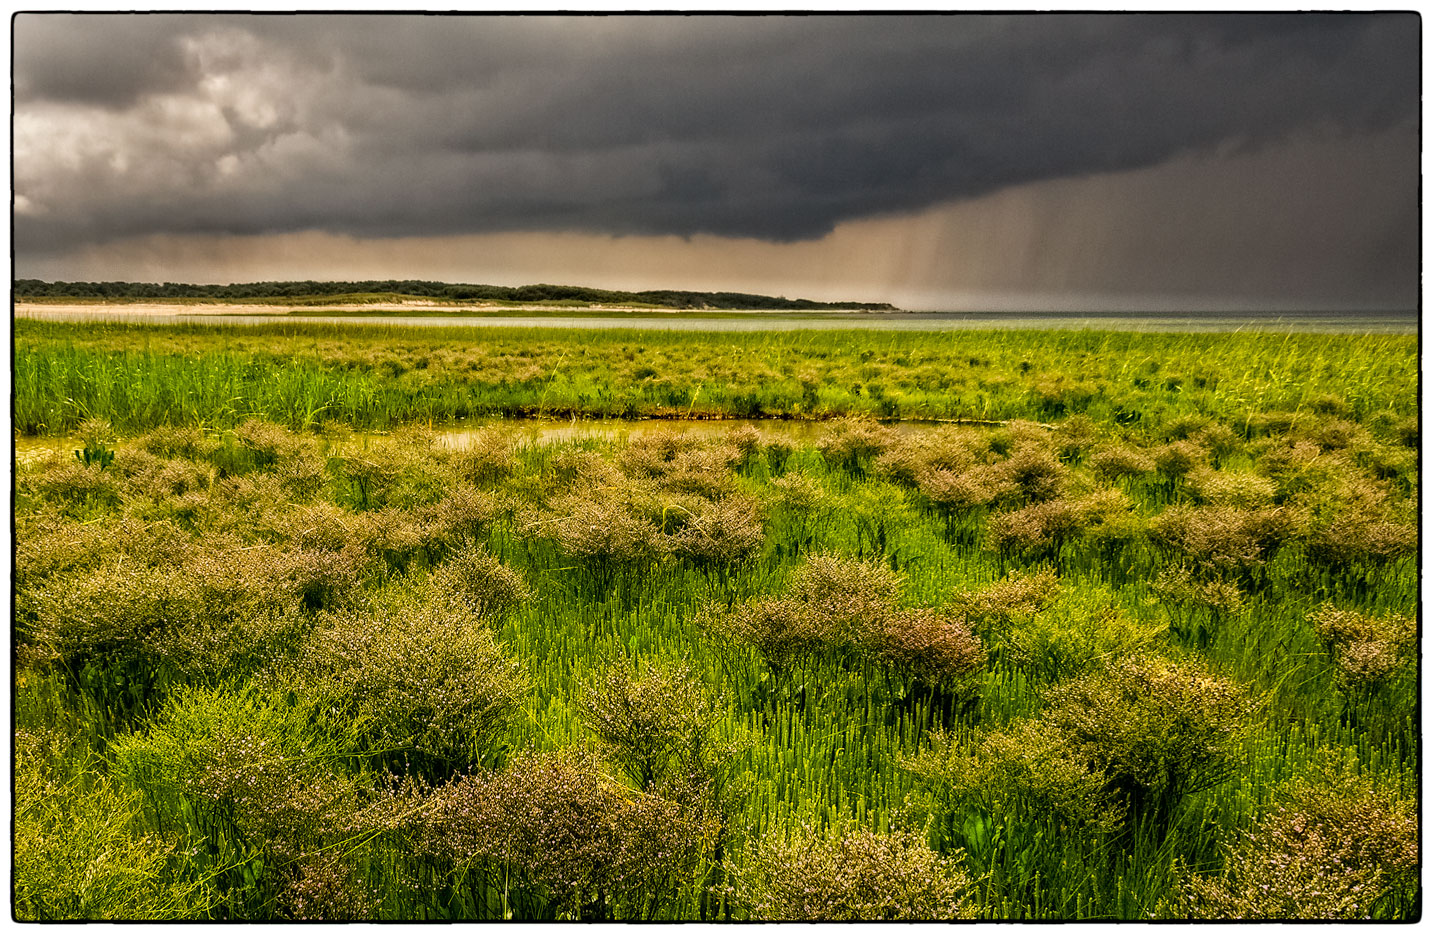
(777, 128)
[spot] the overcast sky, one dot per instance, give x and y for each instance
(933, 161)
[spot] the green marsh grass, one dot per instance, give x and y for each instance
(210, 687)
(301, 376)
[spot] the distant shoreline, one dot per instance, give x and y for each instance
(415, 292)
(417, 307)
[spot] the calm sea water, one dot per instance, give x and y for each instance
(1343, 322)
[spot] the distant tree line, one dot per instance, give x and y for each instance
(666, 298)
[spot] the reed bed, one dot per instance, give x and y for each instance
(1079, 669)
(140, 376)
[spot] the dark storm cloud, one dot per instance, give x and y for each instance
(65, 57)
(771, 127)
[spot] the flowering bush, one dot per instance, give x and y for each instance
(835, 604)
(853, 442)
(1354, 537)
(391, 473)
(426, 683)
(1230, 488)
(75, 488)
(949, 449)
(1114, 463)
(600, 526)
(80, 853)
(925, 644)
(267, 443)
(1035, 472)
(255, 779)
(1019, 595)
(780, 629)
(705, 472)
(857, 875)
(952, 491)
(1332, 850)
(722, 533)
(1038, 530)
(1216, 539)
(400, 538)
(149, 476)
(1075, 436)
(1367, 650)
(170, 441)
(1077, 638)
(478, 582)
(1157, 728)
(1177, 585)
(564, 841)
(1177, 458)
(216, 614)
(321, 887)
(748, 442)
(654, 727)
(485, 459)
(654, 454)
(847, 594)
(464, 514)
(47, 545)
(1025, 770)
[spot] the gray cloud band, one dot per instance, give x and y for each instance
(768, 127)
